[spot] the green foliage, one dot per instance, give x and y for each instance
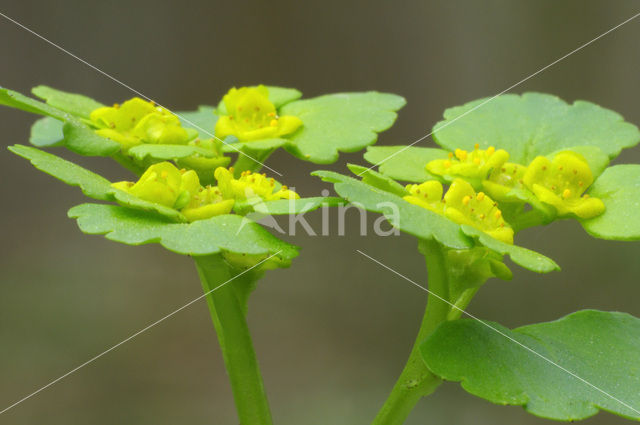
(78, 137)
(91, 184)
(342, 122)
(75, 104)
(228, 233)
(168, 152)
(534, 124)
(46, 132)
(600, 347)
(405, 163)
(618, 187)
(295, 206)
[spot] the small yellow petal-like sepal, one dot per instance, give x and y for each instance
(426, 195)
(137, 121)
(206, 203)
(252, 116)
(159, 184)
(476, 164)
(562, 182)
(464, 206)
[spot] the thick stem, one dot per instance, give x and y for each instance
(233, 334)
(250, 160)
(416, 381)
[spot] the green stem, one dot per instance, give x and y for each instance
(250, 160)
(416, 381)
(227, 312)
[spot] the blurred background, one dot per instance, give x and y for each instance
(333, 331)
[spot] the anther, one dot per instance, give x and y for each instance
(480, 196)
(273, 123)
(491, 150)
(466, 199)
(476, 146)
(498, 214)
(566, 193)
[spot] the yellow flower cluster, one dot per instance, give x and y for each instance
(165, 184)
(462, 205)
(559, 182)
(137, 121)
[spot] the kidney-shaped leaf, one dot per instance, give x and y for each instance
(229, 233)
(406, 163)
(600, 349)
(341, 122)
(619, 189)
(534, 124)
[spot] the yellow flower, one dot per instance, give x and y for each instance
(164, 184)
(252, 116)
(250, 185)
(504, 179)
(561, 184)
(205, 203)
(137, 121)
(474, 165)
(462, 205)
(426, 195)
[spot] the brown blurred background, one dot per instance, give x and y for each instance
(333, 331)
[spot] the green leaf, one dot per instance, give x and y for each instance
(127, 200)
(407, 217)
(203, 120)
(406, 163)
(76, 104)
(46, 132)
(167, 152)
(279, 96)
(91, 184)
(82, 140)
(254, 145)
(16, 100)
(526, 258)
(229, 233)
(296, 206)
(342, 122)
(534, 124)
(78, 137)
(378, 180)
(619, 188)
(601, 348)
